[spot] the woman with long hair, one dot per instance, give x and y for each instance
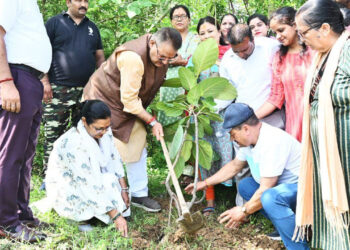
(289, 67)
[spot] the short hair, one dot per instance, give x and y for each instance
(238, 32)
(178, 7)
(168, 35)
(208, 19)
(92, 110)
(229, 14)
(317, 12)
(261, 17)
(252, 121)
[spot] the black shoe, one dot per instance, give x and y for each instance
(22, 233)
(275, 235)
(36, 223)
(146, 203)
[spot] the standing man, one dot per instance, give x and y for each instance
(25, 53)
(128, 81)
(77, 51)
(274, 159)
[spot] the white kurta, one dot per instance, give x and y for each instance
(82, 179)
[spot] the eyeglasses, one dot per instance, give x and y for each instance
(303, 34)
(100, 130)
(164, 58)
(179, 17)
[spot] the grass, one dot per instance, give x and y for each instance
(146, 230)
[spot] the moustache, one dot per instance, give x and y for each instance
(83, 8)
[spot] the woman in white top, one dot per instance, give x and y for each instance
(85, 176)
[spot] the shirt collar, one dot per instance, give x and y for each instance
(65, 13)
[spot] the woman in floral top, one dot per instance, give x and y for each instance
(85, 176)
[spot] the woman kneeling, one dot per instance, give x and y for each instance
(85, 176)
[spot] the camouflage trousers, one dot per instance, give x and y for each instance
(58, 114)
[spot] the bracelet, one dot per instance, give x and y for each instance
(125, 189)
(116, 216)
(6, 80)
(153, 123)
(152, 119)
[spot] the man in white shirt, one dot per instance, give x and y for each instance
(274, 159)
(248, 67)
(25, 55)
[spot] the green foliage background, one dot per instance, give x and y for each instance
(122, 20)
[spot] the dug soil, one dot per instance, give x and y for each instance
(213, 235)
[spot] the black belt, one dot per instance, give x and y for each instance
(38, 74)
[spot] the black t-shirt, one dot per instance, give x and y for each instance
(74, 49)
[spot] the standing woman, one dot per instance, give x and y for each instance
(180, 20)
(289, 67)
(259, 25)
(208, 27)
(324, 181)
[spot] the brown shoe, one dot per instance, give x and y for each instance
(36, 223)
(22, 233)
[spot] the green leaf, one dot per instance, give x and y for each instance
(184, 120)
(186, 149)
(205, 55)
(191, 130)
(187, 78)
(205, 153)
(180, 98)
(213, 116)
(205, 122)
(218, 87)
(169, 109)
(193, 95)
(176, 143)
(180, 106)
(172, 83)
(209, 103)
(179, 168)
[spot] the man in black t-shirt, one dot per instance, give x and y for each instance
(77, 52)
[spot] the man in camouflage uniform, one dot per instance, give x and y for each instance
(77, 51)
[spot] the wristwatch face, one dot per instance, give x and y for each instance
(244, 209)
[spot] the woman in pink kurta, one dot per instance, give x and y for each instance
(289, 67)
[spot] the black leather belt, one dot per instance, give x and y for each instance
(38, 74)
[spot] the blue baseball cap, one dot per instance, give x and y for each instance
(236, 114)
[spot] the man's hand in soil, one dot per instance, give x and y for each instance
(234, 217)
(122, 226)
(200, 186)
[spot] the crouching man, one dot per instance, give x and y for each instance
(273, 157)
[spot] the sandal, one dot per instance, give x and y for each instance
(208, 211)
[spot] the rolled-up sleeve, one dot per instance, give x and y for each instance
(131, 70)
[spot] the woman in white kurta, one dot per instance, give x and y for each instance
(85, 176)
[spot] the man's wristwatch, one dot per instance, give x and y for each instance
(244, 210)
(152, 123)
